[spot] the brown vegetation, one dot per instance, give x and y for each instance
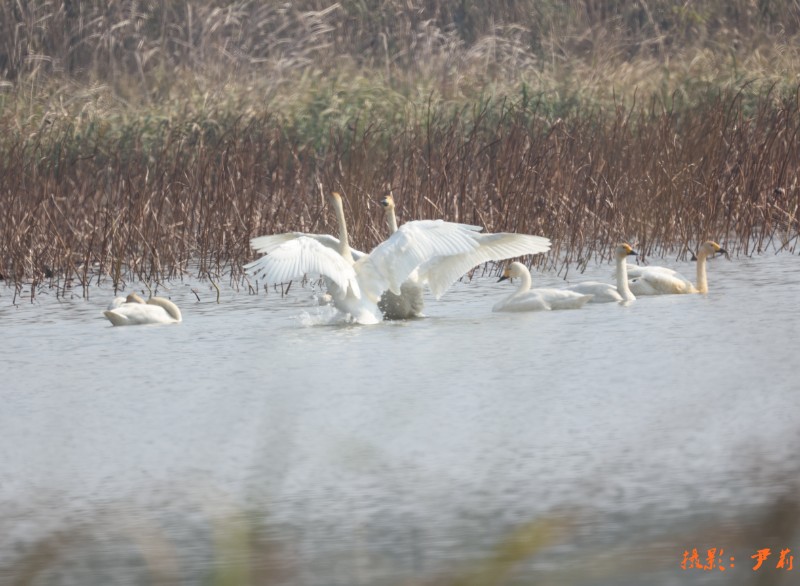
(144, 140)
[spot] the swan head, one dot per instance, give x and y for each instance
(336, 197)
(710, 248)
(512, 271)
(134, 298)
(387, 202)
(624, 249)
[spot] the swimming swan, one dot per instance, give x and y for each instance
(409, 303)
(134, 311)
(605, 293)
(356, 285)
(440, 272)
(527, 299)
(664, 281)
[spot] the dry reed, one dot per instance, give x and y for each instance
(145, 141)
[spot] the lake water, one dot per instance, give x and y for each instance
(253, 444)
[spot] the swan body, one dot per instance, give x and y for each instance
(659, 282)
(134, 311)
(604, 292)
(635, 271)
(120, 301)
(663, 281)
(407, 304)
(116, 302)
(527, 299)
(440, 272)
(356, 285)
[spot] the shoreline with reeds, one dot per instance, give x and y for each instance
(139, 157)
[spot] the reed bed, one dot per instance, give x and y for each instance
(151, 141)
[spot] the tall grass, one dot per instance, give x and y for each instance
(145, 201)
(142, 140)
(111, 40)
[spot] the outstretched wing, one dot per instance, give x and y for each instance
(266, 244)
(291, 258)
(392, 261)
(443, 271)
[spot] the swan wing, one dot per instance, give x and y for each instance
(660, 282)
(528, 301)
(298, 256)
(603, 292)
(441, 272)
(266, 244)
(393, 260)
(638, 271)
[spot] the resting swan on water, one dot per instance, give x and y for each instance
(133, 311)
(527, 299)
(440, 272)
(605, 293)
(664, 281)
(120, 301)
(356, 285)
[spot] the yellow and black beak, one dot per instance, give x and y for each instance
(503, 278)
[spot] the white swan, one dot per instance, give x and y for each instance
(605, 293)
(134, 311)
(440, 272)
(527, 299)
(120, 301)
(409, 303)
(635, 271)
(356, 285)
(664, 281)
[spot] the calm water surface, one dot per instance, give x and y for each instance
(255, 443)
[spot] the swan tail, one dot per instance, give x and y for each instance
(115, 318)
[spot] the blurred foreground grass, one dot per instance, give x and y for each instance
(239, 548)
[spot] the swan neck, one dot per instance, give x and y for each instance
(344, 242)
(167, 305)
(622, 279)
(173, 310)
(391, 219)
(702, 279)
(524, 281)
